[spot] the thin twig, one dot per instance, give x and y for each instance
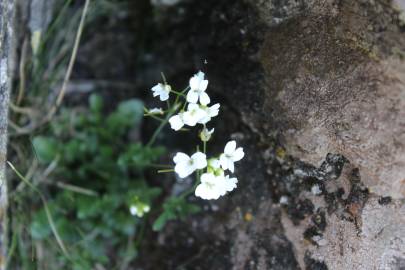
(23, 110)
(73, 188)
(21, 88)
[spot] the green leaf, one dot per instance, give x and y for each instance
(95, 102)
(40, 228)
(133, 109)
(161, 221)
(45, 148)
(87, 207)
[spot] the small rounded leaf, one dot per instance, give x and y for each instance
(45, 148)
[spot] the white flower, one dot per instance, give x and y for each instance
(177, 121)
(193, 114)
(139, 209)
(161, 90)
(155, 111)
(209, 113)
(214, 186)
(230, 155)
(209, 188)
(186, 165)
(205, 134)
(197, 89)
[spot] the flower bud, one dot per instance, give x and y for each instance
(205, 134)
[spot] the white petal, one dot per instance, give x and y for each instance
(205, 119)
(194, 82)
(190, 119)
(230, 183)
(192, 107)
(204, 98)
(220, 185)
(230, 148)
(192, 96)
(176, 122)
(199, 160)
(200, 75)
(184, 169)
(205, 192)
(207, 178)
(223, 161)
(231, 166)
(200, 114)
(200, 191)
(238, 154)
(213, 110)
(155, 111)
(209, 188)
(164, 96)
(157, 89)
(181, 157)
(203, 85)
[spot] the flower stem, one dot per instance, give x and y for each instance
(160, 165)
(163, 77)
(165, 170)
(185, 89)
(161, 126)
(178, 93)
(155, 117)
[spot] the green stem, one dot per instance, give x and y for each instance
(177, 93)
(155, 117)
(163, 77)
(11, 249)
(160, 165)
(165, 170)
(185, 89)
(161, 126)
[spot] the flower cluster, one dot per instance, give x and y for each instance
(138, 208)
(211, 173)
(196, 113)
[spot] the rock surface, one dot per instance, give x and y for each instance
(6, 35)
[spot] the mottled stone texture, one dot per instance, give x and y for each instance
(335, 83)
(341, 88)
(6, 16)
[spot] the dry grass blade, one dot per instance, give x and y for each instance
(71, 63)
(47, 211)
